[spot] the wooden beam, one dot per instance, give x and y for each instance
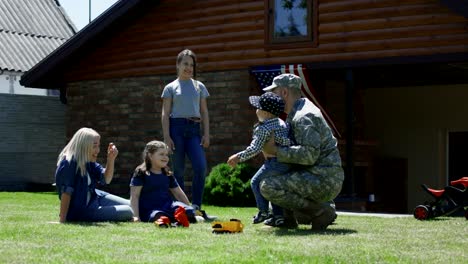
(330, 6)
(389, 33)
(390, 22)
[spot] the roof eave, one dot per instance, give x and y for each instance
(41, 74)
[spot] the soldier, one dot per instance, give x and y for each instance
(316, 177)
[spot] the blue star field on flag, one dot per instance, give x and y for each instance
(265, 74)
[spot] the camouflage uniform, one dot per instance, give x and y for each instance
(317, 175)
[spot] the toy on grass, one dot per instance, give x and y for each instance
(180, 217)
(232, 226)
(451, 199)
(163, 221)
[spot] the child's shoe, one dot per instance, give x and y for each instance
(202, 213)
(208, 218)
(181, 216)
(261, 217)
(163, 221)
(275, 221)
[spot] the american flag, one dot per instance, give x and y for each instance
(265, 74)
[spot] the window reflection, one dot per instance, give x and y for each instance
(290, 18)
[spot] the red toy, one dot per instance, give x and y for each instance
(180, 216)
(451, 199)
(163, 221)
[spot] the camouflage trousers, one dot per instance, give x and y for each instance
(301, 189)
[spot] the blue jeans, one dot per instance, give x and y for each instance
(270, 168)
(108, 207)
(187, 139)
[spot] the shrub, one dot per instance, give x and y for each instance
(226, 186)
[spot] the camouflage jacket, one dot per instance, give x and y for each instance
(314, 147)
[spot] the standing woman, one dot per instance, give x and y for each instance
(77, 177)
(184, 116)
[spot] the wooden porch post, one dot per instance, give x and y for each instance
(349, 169)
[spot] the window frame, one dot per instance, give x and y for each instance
(311, 40)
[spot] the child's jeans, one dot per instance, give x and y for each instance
(186, 137)
(270, 168)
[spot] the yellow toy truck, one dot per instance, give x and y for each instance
(232, 226)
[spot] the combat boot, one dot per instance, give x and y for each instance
(323, 218)
(289, 219)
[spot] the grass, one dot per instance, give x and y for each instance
(27, 236)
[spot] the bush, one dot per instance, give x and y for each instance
(226, 186)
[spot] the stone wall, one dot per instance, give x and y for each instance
(32, 132)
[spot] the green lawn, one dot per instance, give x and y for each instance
(27, 236)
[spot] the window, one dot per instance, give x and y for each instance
(291, 23)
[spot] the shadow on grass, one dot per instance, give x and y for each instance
(306, 232)
(441, 218)
(98, 224)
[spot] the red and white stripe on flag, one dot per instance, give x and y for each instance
(309, 91)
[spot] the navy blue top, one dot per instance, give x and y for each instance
(69, 180)
(155, 193)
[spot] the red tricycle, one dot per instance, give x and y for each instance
(450, 200)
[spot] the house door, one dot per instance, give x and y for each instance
(457, 155)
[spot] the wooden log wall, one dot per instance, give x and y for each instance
(228, 34)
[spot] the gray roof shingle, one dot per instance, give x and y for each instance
(30, 30)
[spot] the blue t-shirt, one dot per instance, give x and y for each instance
(155, 193)
(185, 97)
(69, 180)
